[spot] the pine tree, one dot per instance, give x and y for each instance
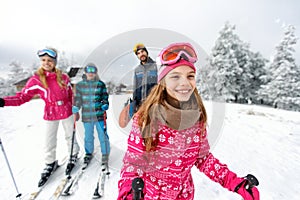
(233, 68)
(258, 74)
(63, 62)
(16, 73)
(283, 88)
(2, 86)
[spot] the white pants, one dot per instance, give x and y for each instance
(51, 138)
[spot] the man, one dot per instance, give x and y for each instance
(145, 77)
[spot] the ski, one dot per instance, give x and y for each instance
(69, 189)
(101, 181)
(34, 194)
(60, 188)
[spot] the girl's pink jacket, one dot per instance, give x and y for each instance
(167, 170)
(58, 101)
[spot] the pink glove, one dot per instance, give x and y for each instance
(247, 189)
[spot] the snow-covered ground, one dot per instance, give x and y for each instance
(254, 139)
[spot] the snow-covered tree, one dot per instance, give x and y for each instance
(33, 67)
(17, 73)
(2, 87)
(283, 88)
(63, 62)
(258, 73)
(232, 68)
(16, 69)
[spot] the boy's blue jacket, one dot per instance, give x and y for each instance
(91, 95)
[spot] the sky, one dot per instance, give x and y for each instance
(78, 27)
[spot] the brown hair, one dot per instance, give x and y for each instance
(158, 96)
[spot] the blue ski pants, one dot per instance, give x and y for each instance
(89, 137)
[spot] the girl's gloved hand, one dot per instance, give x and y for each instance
(248, 193)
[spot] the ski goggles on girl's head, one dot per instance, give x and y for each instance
(176, 51)
(90, 69)
(48, 52)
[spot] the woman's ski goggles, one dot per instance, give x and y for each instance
(176, 51)
(90, 69)
(48, 52)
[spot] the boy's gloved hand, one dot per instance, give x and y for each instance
(104, 107)
(2, 102)
(75, 109)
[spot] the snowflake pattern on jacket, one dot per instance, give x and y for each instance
(166, 171)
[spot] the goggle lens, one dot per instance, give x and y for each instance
(173, 53)
(91, 69)
(48, 52)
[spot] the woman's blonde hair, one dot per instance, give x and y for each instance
(158, 96)
(41, 73)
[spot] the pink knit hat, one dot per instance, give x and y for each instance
(165, 69)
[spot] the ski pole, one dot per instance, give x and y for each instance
(252, 181)
(12, 176)
(73, 140)
(137, 187)
(106, 141)
(105, 168)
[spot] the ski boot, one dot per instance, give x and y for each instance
(49, 169)
(104, 160)
(71, 164)
(86, 160)
(104, 164)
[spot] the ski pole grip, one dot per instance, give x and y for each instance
(137, 187)
(252, 181)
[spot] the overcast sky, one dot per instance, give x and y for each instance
(78, 27)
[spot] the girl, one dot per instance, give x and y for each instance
(54, 87)
(168, 136)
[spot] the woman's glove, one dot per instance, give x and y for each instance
(2, 102)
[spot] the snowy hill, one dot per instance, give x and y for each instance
(258, 140)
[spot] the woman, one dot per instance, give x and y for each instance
(54, 87)
(169, 137)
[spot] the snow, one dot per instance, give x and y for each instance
(253, 139)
